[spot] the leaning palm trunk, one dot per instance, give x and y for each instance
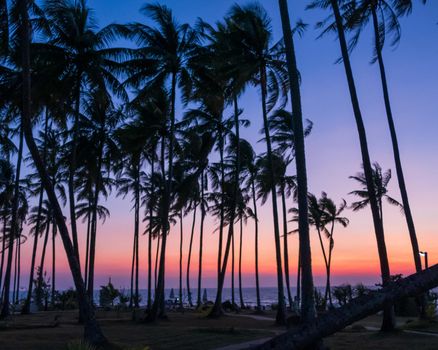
(13, 231)
(328, 289)
(92, 331)
(201, 241)
(41, 266)
(326, 263)
(256, 247)
(388, 317)
(217, 311)
(285, 249)
(308, 312)
(356, 310)
(281, 311)
(189, 257)
(396, 151)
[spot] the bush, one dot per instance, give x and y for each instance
(108, 294)
(67, 300)
(343, 294)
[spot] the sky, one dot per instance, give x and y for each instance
(332, 151)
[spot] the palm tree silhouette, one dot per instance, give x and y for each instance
(384, 18)
(338, 26)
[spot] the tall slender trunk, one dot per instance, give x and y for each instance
(136, 236)
(53, 263)
(281, 311)
(201, 240)
(40, 278)
(189, 257)
(5, 311)
(92, 331)
(87, 246)
(5, 224)
(395, 147)
(256, 245)
(233, 298)
(324, 254)
(131, 293)
(157, 254)
(242, 304)
(158, 306)
(221, 220)
(308, 312)
(72, 167)
(328, 290)
(180, 259)
(388, 315)
(217, 311)
(14, 291)
(285, 248)
(151, 212)
(26, 306)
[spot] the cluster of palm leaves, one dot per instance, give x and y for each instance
(106, 119)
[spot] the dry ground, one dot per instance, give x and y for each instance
(193, 331)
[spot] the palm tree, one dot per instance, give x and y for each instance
(87, 62)
(308, 312)
(92, 333)
(265, 67)
(381, 181)
(162, 55)
(384, 17)
(339, 26)
(332, 216)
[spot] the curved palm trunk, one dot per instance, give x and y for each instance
(92, 331)
(308, 312)
(87, 246)
(281, 311)
(13, 231)
(388, 315)
(157, 254)
(242, 304)
(395, 147)
(16, 273)
(158, 306)
(256, 247)
(189, 293)
(149, 301)
(201, 241)
(217, 311)
(136, 237)
(285, 249)
(5, 223)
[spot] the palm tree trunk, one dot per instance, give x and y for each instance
(157, 254)
(256, 246)
(180, 259)
(131, 294)
(53, 264)
(281, 311)
(217, 311)
(159, 300)
(5, 222)
(221, 220)
(308, 312)
(136, 236)
(242, 304)
(92, 331)
(285, 249)
(13, 230)
(328, 289)
(395, 147)
(14, 290)
(87, 248)
(324, 254)
(233, 298)
(149, 303)
(189, 293)
(388, 316)
(26, 306)
(41, 266)
(201, 240)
